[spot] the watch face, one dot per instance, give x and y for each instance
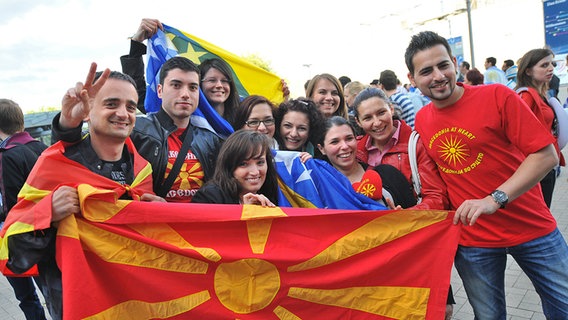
(500, 197)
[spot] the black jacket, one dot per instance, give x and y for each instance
(211, 193)
(150, 137)
(18, 156)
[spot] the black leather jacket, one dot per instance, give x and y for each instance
(150, 137)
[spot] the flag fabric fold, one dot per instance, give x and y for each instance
(33, 212)
(179, 261)
(317, 184)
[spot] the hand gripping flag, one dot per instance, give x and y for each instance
(33, 211)
(249, 78)
(134, 260)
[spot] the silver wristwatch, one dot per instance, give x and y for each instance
(500, 197)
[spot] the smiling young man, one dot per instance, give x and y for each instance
(105, 159)
(491, 165)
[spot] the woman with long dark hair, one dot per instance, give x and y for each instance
(244, 174)
(534, 73)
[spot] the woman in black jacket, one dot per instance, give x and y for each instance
(244, 173)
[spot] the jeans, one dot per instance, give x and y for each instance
(544, 260)
(25, 292)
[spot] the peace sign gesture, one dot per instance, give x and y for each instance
(75, 105)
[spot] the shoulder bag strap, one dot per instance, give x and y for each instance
(169, 181)
(412, 142)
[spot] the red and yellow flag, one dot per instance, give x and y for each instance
(33, 211)
(135, 260)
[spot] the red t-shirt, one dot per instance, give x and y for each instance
(478, 143)
(190, 177)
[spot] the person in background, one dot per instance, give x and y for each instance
(492, 73)
(244, 174)
(473, 77)
(554, 84)
(350, 91)
(464, 68)
(374, 83)
(490, 163)
(511, 75)
(344, 80)
(18, 154)
(507, 64)
(535, 72)
(326, 91)
(388, 83)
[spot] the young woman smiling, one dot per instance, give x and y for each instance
(244, 174)
(298, 123)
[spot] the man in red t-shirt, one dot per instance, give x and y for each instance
(491, 151)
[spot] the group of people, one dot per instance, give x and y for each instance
(483, 165)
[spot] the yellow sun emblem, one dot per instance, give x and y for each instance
(454, 151)
(368, 189)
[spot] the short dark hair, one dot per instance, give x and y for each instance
(177, 62)
(11, 117)
(116, 75)
(422, 41)
(509, 63)
(344, 80)
(491, 60)
(466, 64)
(388, 80)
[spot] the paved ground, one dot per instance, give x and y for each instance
(522, 301)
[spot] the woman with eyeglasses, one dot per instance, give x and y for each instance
(244, 173)
(256, 113)
(219, 87)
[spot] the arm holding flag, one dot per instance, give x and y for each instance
(133, 63)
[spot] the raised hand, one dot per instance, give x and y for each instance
(75, 103)
(148, 28)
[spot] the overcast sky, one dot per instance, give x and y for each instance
(47, 48)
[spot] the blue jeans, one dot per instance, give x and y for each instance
(544, 260)
(25, 292)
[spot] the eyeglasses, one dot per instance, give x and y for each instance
(256, 123)
(214, 81)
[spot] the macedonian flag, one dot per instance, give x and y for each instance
(134, 260)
